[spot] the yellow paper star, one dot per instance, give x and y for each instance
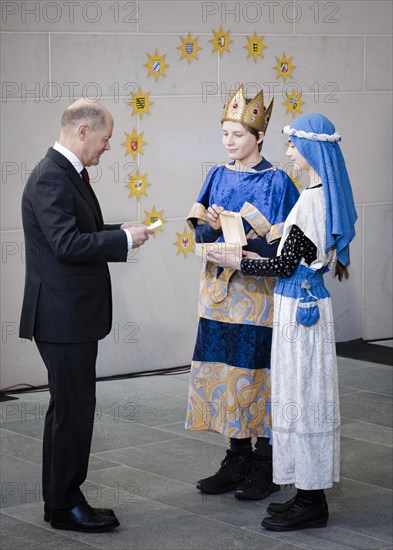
(140, 103)
(284, 67)
(293, 102)
(255, 47)
(134, 143)
(189, 47)
(185, 242)
(221, 41)
(296, 180)
(152, 217)
(156, 65)
(138, 185)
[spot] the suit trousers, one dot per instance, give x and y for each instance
(69, 420)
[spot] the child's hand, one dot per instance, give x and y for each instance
(213, 216)
(252, 255)
(224, 259)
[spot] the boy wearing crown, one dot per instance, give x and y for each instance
(230, 373)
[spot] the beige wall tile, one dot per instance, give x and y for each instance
(20, 360)
(319, 64)
(184, 139)
(28, 129)
(64, 16)
(344, 17)
(24, 66)
(202, 16)
(155, 308)
(113, 65)
(379, 63)
(378, 276)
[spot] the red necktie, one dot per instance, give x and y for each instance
(85, 177)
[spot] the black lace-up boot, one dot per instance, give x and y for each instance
(259, 480)
(233, 470)
(309, 510)
(276, 508)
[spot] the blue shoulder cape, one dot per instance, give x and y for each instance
(269, 192)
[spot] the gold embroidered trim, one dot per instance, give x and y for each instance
(257, 220)
(275, 232)
(197, 211)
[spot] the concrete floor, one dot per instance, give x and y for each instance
(145, 465)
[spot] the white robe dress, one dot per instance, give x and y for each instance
(305, 401)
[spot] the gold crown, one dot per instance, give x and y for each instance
(252, 113)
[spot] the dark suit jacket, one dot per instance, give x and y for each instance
(67, 296)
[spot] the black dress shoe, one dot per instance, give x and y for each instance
(277, 508)
(104, 511)
(82, 518)
(309, 510)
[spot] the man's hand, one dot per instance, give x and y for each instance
(139, 233)
(213, 216)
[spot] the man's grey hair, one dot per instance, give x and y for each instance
(92, 115)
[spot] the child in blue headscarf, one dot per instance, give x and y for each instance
(305, 402)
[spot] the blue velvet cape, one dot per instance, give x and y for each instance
(271, 191)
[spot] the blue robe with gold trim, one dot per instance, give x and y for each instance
(230, 376)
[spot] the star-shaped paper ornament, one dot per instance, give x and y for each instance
(140, 103)
(189, 47)
(152, 217)
(255, 46)
(185, 242)
(134, 143)
(284, 67)
(156, 65)
(137, 185)
(293, 102)
(221, 41)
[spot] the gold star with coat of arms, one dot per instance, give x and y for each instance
(156, 65)
(140, 103)
(152, 217)
(221, 41)
(255, 46)
(293, 102)
(185, 242)
(284, 67)
(134, 143)
(137, 185)
(189, 47)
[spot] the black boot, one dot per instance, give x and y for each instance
(277, 508)
(259, 480)
(233, 470)
(309, 510)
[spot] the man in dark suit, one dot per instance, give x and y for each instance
(67, 305)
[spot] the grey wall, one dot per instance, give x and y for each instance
(53, 52)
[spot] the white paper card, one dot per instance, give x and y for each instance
(155, 225)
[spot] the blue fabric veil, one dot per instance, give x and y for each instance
(327, 160)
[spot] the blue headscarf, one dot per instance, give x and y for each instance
(314, 136)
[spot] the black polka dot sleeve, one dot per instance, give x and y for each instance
(296, 247)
